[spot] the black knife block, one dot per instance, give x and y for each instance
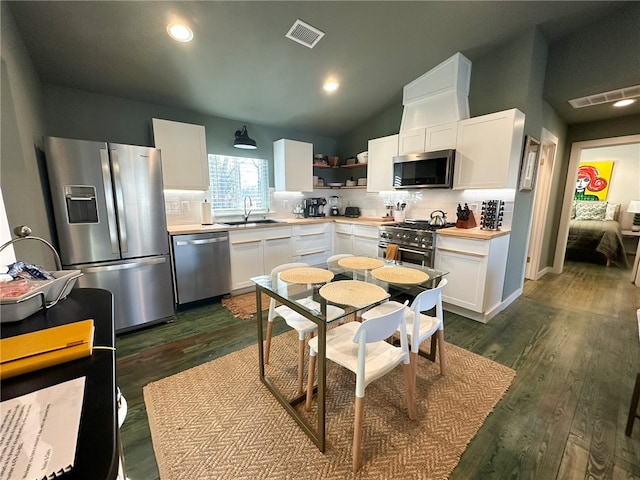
(468, 223)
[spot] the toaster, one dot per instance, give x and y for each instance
(352, 212)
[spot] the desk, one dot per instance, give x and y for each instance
(289, 294)
(97, 452)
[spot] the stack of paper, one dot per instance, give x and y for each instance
(39, 432)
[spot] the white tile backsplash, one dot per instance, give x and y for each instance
(420, 203)
(184, 207)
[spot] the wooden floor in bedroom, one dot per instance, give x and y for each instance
(572, 338)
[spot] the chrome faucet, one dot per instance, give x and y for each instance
(247, 213)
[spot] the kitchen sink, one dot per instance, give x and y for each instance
(251, 223)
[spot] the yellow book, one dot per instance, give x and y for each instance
(44, 348)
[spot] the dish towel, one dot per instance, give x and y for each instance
(393, 252)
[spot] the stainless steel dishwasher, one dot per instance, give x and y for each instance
(201, 266)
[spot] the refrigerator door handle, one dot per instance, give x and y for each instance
(108, 193)
(125, 266)
(117, 182)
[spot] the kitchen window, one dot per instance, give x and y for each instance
(231, 179)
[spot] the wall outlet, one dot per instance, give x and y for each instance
(184, 206)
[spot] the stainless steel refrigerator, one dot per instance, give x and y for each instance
(108, 204)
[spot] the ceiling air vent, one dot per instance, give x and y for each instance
(606, 97)
(304, 34)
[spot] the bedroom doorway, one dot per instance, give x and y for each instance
(577, 150)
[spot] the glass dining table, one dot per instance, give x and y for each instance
(354, 284)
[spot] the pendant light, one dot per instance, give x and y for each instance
(243, 140)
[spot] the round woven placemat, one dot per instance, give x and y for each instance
(360, 263)
(306, 275)
(408, 276)
(353, 292)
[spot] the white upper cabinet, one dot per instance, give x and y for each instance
(184, 154)
(430, 139)
(293, 166)
(488, 150)
(411, 141)
(380, 163)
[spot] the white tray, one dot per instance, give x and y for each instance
(46, 295)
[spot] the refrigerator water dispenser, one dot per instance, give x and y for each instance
(81, 203)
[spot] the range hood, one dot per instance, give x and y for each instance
(439, 96)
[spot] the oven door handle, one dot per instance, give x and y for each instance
(419, 252)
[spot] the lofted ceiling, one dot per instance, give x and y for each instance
(240, 66)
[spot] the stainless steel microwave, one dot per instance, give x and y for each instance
(424, 170)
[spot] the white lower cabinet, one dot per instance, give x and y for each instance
(342, 239)
(356, 239)
(277, 247)
(312, 244)
(255, 252)
(476, 274)
(365, 240)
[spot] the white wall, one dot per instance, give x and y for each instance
(7, 256)
(625, 177)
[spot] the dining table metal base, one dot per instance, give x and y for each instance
(317, 434)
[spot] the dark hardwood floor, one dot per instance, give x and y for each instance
(572, 338)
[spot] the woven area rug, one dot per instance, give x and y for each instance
(244, 305)
(217, 420)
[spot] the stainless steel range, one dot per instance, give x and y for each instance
(415, 240)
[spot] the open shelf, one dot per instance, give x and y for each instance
(324, 165)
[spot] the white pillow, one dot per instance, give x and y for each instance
(591, 210)
(612, 211)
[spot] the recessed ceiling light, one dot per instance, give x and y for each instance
(180, 32)
(625, 102)
(330, 86)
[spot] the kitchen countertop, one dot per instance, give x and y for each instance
(473, 233)
(219, 227)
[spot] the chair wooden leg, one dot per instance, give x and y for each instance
(414, 357)
(410, 381)
(633, 409)
(443, 360)
(312, 368)
(300, 364)
(267, 342)
(357, 433)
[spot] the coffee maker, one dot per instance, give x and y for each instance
(314, 207)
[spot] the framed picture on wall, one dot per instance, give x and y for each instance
(529, 165)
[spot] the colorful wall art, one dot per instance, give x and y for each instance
(593, 180)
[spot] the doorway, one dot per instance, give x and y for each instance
(542, 192)
(577, 150)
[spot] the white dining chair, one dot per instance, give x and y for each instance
(338, 256)
(421, 327)
(371, 359)
(300, 324)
